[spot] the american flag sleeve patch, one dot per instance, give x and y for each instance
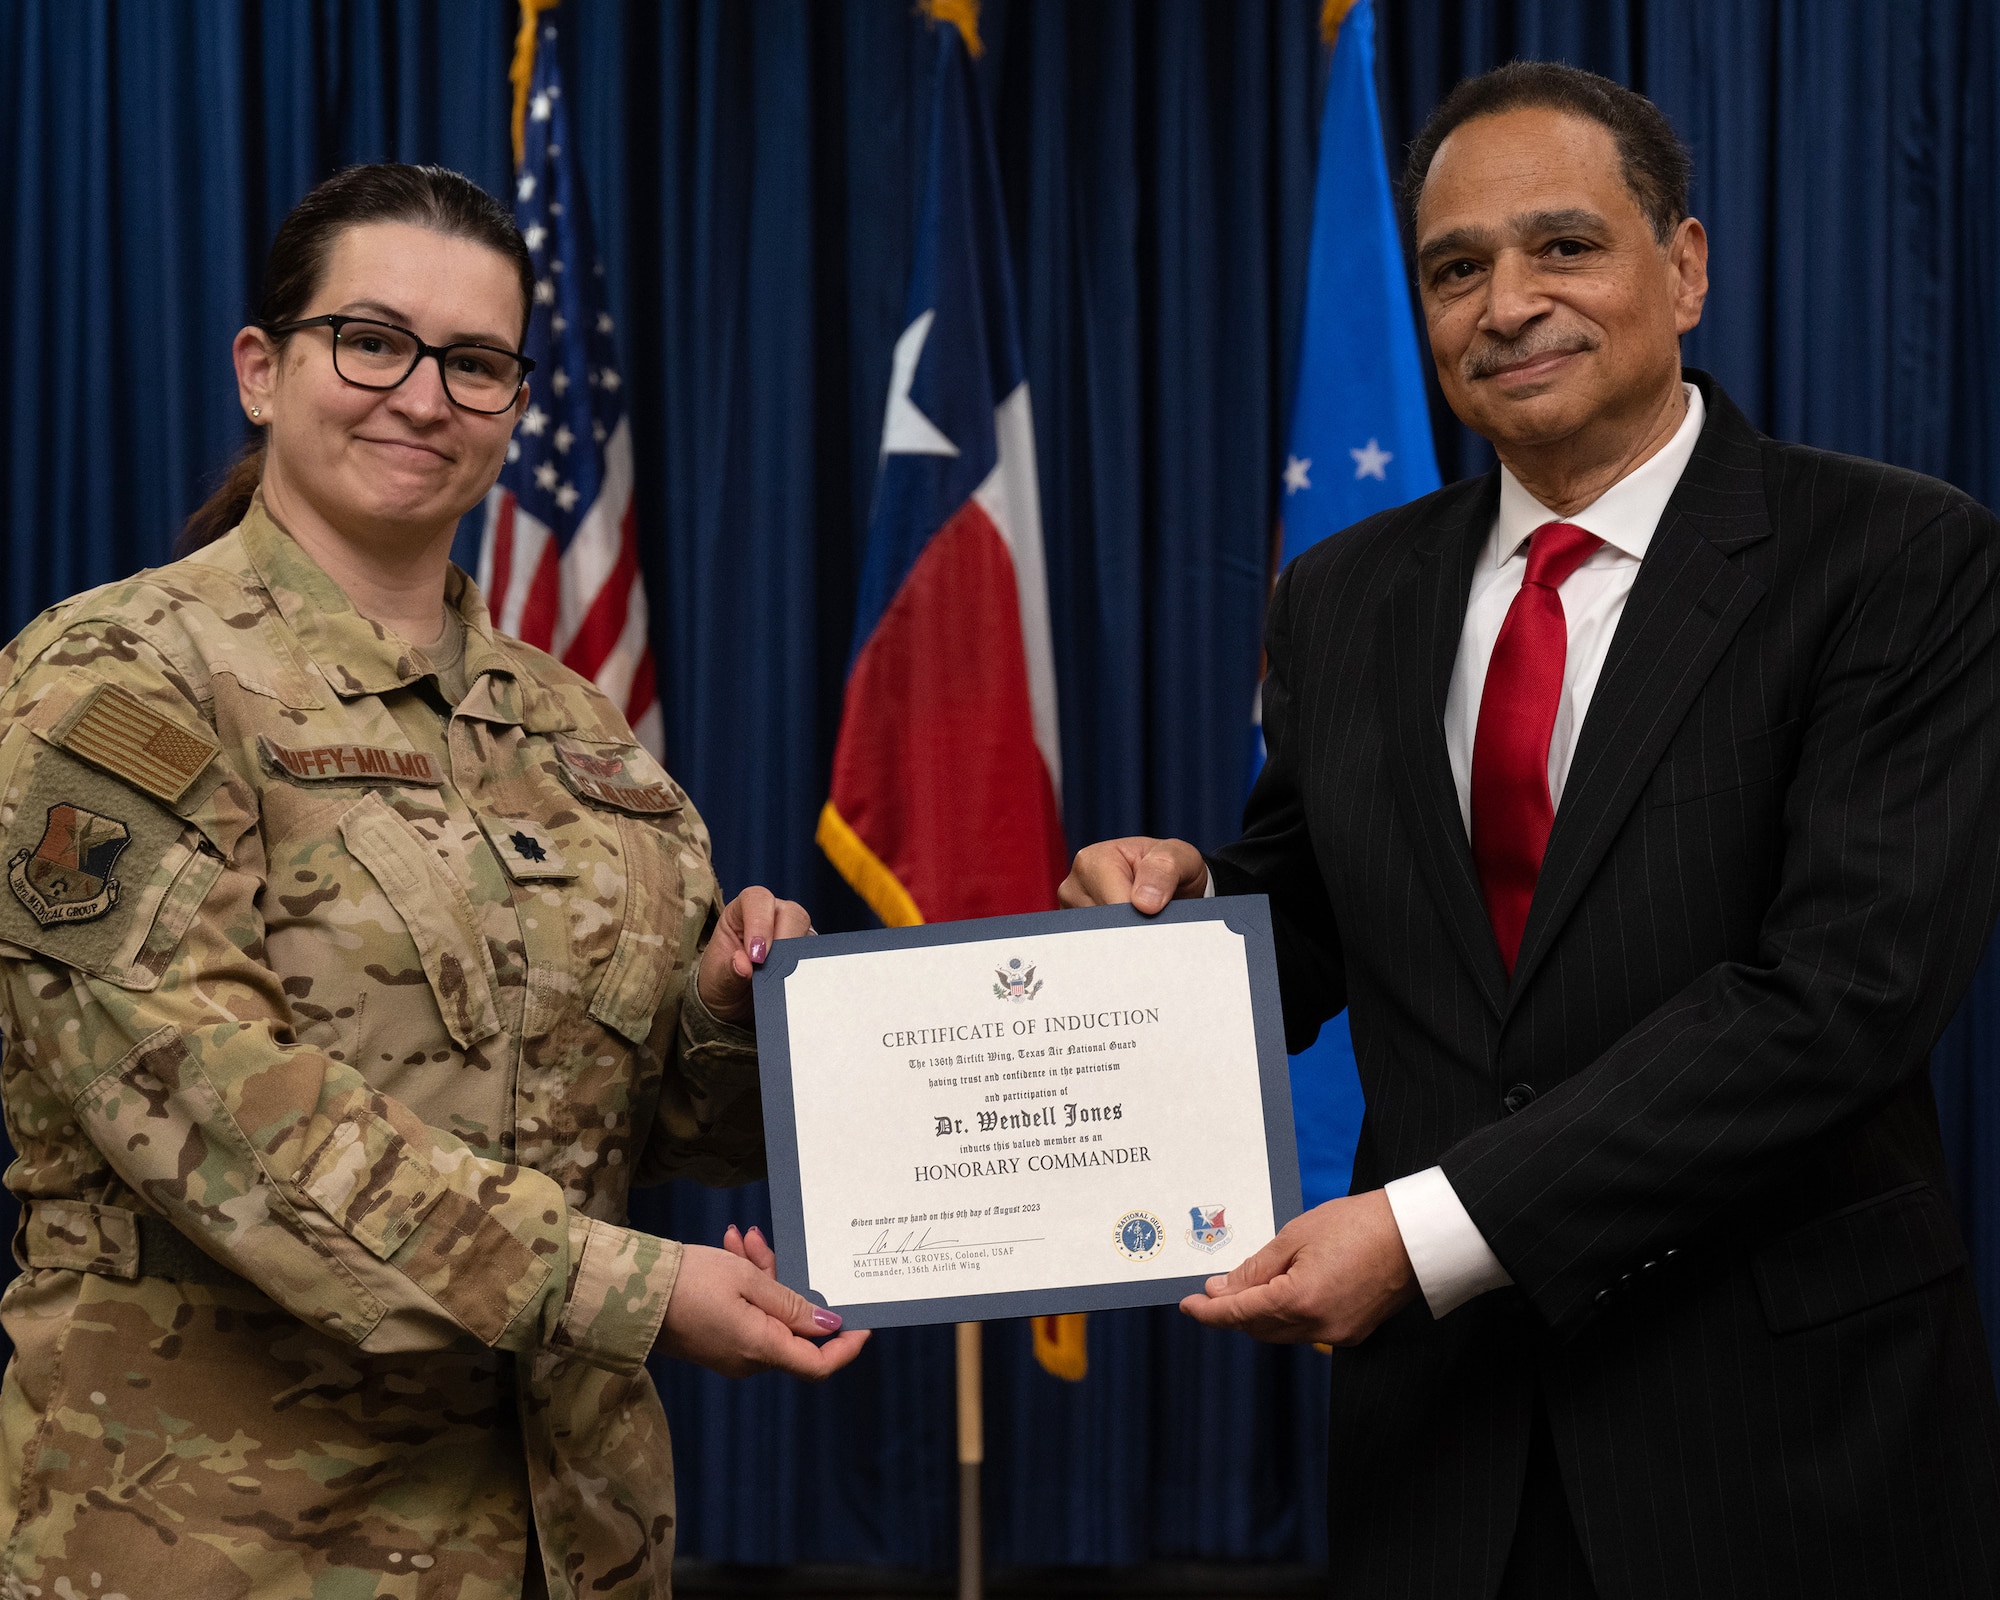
(116, 730)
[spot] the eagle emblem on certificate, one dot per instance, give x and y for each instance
(1016, 982)
(66, 877)
(1209, 1233)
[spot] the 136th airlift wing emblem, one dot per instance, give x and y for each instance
(67, 877)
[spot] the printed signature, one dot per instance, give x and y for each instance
(912, 1243)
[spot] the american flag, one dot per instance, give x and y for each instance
(559, 562)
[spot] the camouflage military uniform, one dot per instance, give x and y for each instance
(338, 1023)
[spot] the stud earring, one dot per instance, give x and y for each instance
(255, 412)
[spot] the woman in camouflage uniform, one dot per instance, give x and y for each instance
(354, 961)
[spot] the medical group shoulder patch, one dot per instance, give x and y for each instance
(114, 729)
(66, 875)
(83, 854)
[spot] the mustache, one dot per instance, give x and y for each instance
(1487, 359)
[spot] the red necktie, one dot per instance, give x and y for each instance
(1511, 809)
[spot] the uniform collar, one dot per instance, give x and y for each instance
(494, 692)
(1624, 516)
(359, 657)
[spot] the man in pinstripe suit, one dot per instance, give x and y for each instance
(1638, 801)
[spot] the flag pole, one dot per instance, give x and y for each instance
(867, 857)
(971, 1454)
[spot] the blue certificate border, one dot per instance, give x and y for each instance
(1247, 915)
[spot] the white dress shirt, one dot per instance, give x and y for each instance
(1449, 1254)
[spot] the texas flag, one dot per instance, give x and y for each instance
(947, 773)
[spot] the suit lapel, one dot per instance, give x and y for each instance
(1687, 604)
(1424, 616)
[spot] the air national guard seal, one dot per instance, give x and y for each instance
(1138, 1236)
(66, 877)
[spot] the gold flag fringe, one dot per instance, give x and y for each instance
(1062, 1346)
(522, 72)
(871, 876)
(964, 16)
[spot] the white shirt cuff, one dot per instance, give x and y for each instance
(1451, 1257)
(1208, 887)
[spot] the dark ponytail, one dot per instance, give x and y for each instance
(385, 191)
(227, 505)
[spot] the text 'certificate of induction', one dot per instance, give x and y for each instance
(1022, 1116)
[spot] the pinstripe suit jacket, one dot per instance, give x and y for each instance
(1740, 1290)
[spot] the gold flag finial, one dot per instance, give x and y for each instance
(962, 15)
(1331, 15)
(522, 72)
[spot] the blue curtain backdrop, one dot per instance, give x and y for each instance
(754, 171)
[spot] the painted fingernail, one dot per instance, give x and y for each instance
(758, 949)
(755, 1231)
(826, 1321)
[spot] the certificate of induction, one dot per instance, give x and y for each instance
(1023, 1116)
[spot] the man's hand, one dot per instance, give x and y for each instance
(1332, 1276)
(1145, 872)
(743, 937)
(730, 1314)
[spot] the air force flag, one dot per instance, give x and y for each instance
(1361, 428)
(1360, 443)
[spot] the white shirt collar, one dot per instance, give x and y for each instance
(1625, 515)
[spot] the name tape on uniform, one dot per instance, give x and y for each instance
(116, 730)
(333, 762)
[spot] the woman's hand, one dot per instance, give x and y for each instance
(729, 1313)
(750, 924)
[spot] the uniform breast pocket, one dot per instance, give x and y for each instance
(651, 933)
(435, 911)
(1724, 766)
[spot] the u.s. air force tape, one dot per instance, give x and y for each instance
(609, 779)
(114, 729)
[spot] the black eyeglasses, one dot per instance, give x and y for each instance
(380, 355)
